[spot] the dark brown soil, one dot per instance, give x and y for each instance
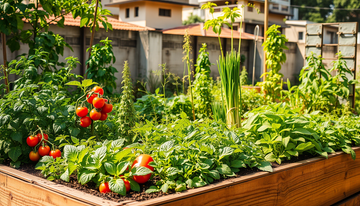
(138, 196)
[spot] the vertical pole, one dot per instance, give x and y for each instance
(266, 25)
(5, 62)
(92, 34)
(355, 66)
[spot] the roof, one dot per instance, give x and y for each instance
(298, 22)
(197, 30)
(116, 24)
(115, 4)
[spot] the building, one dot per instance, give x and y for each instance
(278, 11)
(156, 14)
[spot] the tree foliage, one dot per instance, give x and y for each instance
(192, 19)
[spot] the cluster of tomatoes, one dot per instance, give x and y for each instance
(100, 110)
(44, 149)
(142, 160)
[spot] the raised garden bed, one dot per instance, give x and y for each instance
(316, 181)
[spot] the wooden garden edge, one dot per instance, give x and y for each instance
(93, 200)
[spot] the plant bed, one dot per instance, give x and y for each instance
(315, 181)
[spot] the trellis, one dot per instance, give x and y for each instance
(346, 44)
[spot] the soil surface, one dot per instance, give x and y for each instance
(137, 196)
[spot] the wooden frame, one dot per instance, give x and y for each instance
(316, 181)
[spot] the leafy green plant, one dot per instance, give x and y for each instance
(244, 77)
(100, 69)
(321, 92)
(127, 115)
(203, 84)
(274, 47)
(192, 19)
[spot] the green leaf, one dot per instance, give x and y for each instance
(172, 171)
(110, 168)
(198, 182)
(100, 153)
(304, 146)
(74, 83)
(15, 153)
(17, 136)
(224, 169)
(270, 157)
(74, 140)
(134, 185)
(87, 83)
(65, 176)
(86, 176)
(237, 164)
(120, 155)
(165, 188)
(285, 141)
(121, 167)
(140, 171)
(83, 21)
(226, 151)
(301, 131)
(214, 174)
(152, 189)
(117, 186)
(265, 166)
(70, 153)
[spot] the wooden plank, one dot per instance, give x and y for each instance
(316, 181)
(350, 201)
(22, 178)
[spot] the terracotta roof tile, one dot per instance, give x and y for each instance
(116, 24)
(197, 30)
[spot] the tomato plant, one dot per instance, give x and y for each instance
(85, 121)
(98, 90)
(40, 137)
(127, 185)
(107, 108)
(104, 187)
(95, 115)
(91, 98)
(34, 156)
(103, 116)
(82, 111)
(143, 161)
(98, 102)
(32, 141)
(44, 150)
(55, 153)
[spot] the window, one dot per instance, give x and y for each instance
(262, 8)
(217, 9)
(249, 7)
(136, 11)
(275, 6)
(235, 28)
(127, 15)
(301, 35)
(285, 8)
(165, 12)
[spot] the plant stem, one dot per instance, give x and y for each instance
(5, 63)
(92, 35)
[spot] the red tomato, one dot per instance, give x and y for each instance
(107, 108)
(90, 99)
(143, 160)
(44, 150)
(104, 188)
(98, 102)
(40, 137)
(103, 116)
(34, 156)
(95, 115)
(32, 141)
(82, 111)
(98, 90)
(85, 121)
(127, 185)
(55, 153)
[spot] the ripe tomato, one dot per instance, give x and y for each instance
(107, 108)
(32, 141)
(98, 102)
(90, 99)
(85, 121)
(82, 111)
(40, 137)
(55, 153)
(98, 90)
(34, 156)
(143, 160)
(103, 116)
(127, 185)
(104, 188)
(95, 115)
(44, 150)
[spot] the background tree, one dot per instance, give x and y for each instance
(345, 15)
(315, 15)
(193, 19)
